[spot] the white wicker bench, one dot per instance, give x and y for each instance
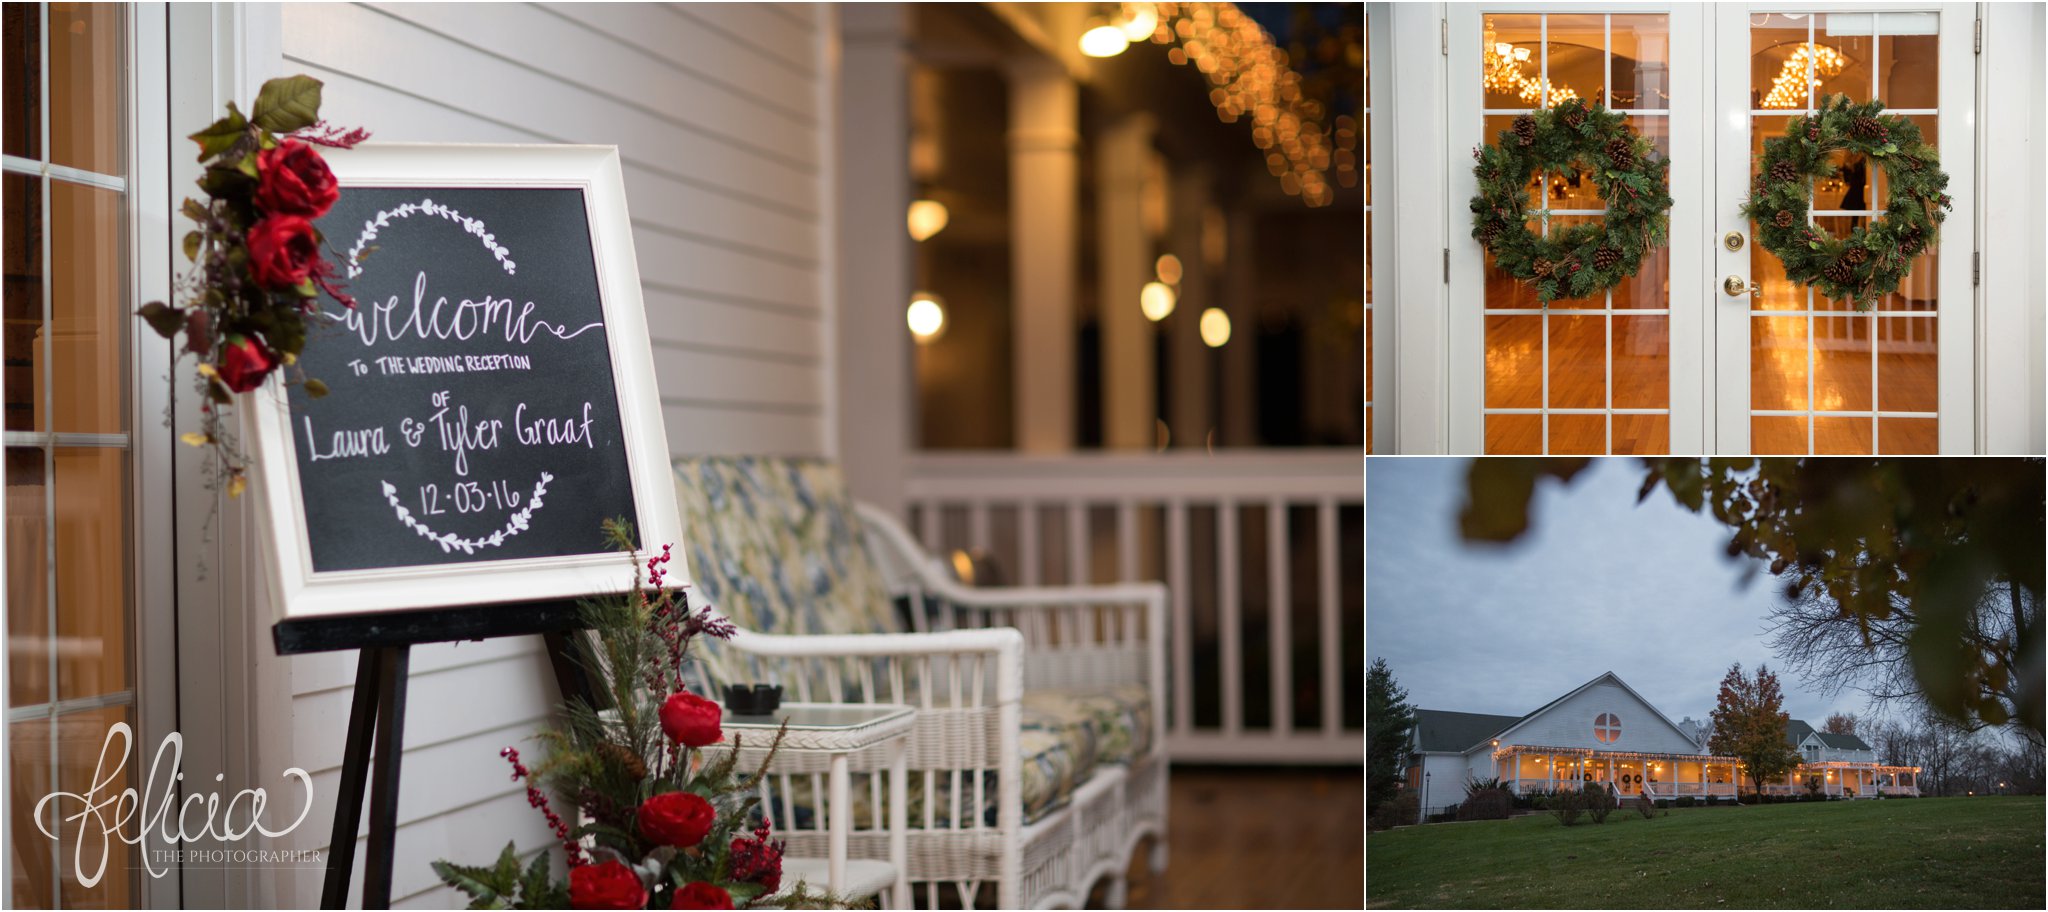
(976, 663)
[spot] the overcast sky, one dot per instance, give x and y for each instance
(1597, 584)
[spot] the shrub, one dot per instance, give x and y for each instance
(1599, 802)
(1664, 803)
(1685, 801)
(1813, 786)
(1540, 803)
(1566, 806)
(1486, 804)
(1399, 810)
(1645, 806)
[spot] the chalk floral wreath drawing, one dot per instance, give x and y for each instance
(1871, 261)
(246, 308)
(1583, 259)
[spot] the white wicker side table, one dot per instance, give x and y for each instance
(839, 729)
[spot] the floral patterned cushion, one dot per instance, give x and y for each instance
(776, 546)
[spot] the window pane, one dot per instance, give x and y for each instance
(28, 769)
(81, 737)
(28, 579)
(22, 24)
(1907, 46)
(1778, 68)
(92, 571)
(1641, 64)
(1842, 65)
(23, 307)
(1578, 57)
(1906, 378)
(1841, 363)
(85, 85)
(1510, 55)
(89, 313)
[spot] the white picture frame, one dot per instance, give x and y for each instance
(297, 590)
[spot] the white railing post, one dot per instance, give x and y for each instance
(1279, 616)
(1231, 631)
(1326, 561)
(1183, 649)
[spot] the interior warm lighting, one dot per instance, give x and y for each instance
(1140, 21)
(963, 566)
(1503, 73)
(927, 218)
(1168, 268)
(1157, 300)
(1788, 90)
(926, 316)
(1215, 328)
(1104, 41)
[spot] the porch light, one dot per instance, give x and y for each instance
(1215, 332)
(1104, 41)
(927, 218)
(1156, 299)
(926, 316)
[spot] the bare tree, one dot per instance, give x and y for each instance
(1833, 653)
(1840, 724)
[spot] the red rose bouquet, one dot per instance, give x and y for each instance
(259, 272)
(665, 820)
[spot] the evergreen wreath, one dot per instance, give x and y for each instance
(1873, 259)
(1583, 259)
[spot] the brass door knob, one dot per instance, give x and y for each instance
(1732, 240)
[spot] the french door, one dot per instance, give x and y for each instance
(1709, 348)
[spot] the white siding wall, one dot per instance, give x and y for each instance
(722, 114)
(1446, 779)
(1570, 724)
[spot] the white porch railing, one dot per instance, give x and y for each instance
(1113, 517)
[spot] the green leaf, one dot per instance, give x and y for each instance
(163, 318)
(221, 134)
(192, 246)
(194, 210)
(742, 892)
(247, 165)
(287, 104)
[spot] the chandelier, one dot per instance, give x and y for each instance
(1789, 89)
(1504, 73)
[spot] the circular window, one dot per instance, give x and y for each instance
(1607, 727)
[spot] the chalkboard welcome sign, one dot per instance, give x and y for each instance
(491, 396)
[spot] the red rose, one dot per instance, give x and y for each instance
(677, 819)
(244, 362)
(295, 181)
(606, 886)
(691, 719)
(700, 895)
(282, 251)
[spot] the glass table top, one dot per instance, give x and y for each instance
(819, 716)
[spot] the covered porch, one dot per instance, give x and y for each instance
(1532, 769)
(1848, 780)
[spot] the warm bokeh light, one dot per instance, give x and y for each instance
(1168, 268)
(926, 316)
(927, 218)
(1157, 300)
(1104, 41)
(1215, 327)
(1140, 20)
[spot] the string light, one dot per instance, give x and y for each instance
(1215, 327)
(1104, 40)
(926, 316)
(1788, 90)
(926, 218)
(1156, 299)
(1250, 78)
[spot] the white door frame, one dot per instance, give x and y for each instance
(1956, 310)
(1465, 391)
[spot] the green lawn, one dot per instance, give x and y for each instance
(1955, 853)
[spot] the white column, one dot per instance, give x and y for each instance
(1044, 136)
(872, 353)
(1123, 264)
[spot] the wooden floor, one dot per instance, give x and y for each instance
(1259, 839)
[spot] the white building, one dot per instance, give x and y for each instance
(1605, 732)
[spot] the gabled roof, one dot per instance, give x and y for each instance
(1602, 677)
(1842, 742)
(1796, 732)
(1439, 730)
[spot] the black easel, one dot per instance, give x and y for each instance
(385, 642)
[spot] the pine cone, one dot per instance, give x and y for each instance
(1855, 256)
(1866, 128)
(1837, 272)
(1487, 233)
(1909, 244)
(1525, 130)
(626, 759)
(1542, 267)
(1783, 171)
(1575, 116)
(1605, 258)
(1813, 133)
(1784, 219)
(1621, 153)
(1914, 164)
